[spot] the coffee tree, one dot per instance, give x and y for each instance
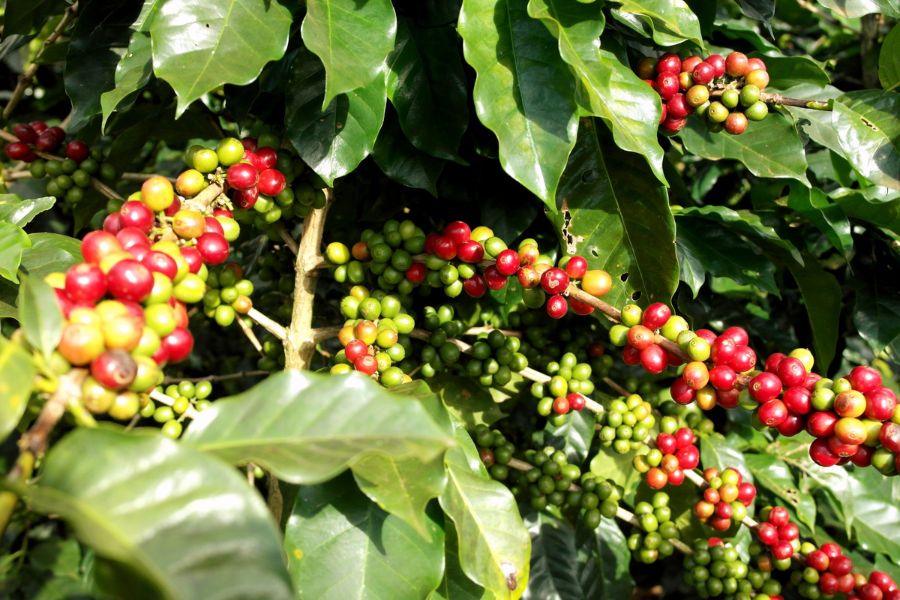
(479, 299)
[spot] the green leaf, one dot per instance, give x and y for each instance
(881, 214)
(16, 372)
(613, 92)
(199, 45)
(876, 313)
(869, 133)
(716, 451)
(13, 242)
(290, 424)
(823, 299)
(50, 252)
(164, 520)
(24, 17)
(340, 545)
(858, 8)
(769, 148)
(352, 39)
(787, 71)
(603, 561)
(761, 10)
(774, 475)
(455, 585)
(132, 73)
(427, 85)
(19, 212)
(335, 141)
(466, 401)
(813, 204)
(39, 314)
(618, 468)
(716, 250)
(402, 162)
(618, 219)
(815, 123)
(574, 436)
(889, 60)
(494, 544)
(100, 40)
(672, 21)
(554, 562)
(523, 92)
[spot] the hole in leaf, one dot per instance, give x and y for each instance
(624, 277)
(636, 295)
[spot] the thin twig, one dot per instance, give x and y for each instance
(286, 237)
(778, 100)
(276, 329)
(616, 387)
(143, 177)
(29, 73)
(486, 329)
(248, 333)
(190, 413)
(212, 378)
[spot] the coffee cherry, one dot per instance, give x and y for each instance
(672, 126)
(718, 64)
(242, 176)
(115, 369)
(85, 283)
(677, 107)
(213, 248)
(557, 306)
(97, 245)
(668, 63)
(157, 193)
(736, 64)
(772, 413)
(653, 359)
(271, 181)
(17, 151)
(758, 78)
(554, 281)
(136, 214)
(697, 95)
(717, 112)
(703, 73)
(667, 85)
(736, 123)
(130, 280)
(645, 68)
(178, 344)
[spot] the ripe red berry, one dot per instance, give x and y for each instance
(889, 436)
(743, 359)
(723, 348)
(682, 392)
(676, 477)
(840, 448)
(213, 248)
(416, 273)
(355, 349)
(249, 144)
(458, 232)
(736, 64)
(97, 245)
(554, 280)
(17, 151)
(494, 278)
(508, 262)
(831, 550)
(782, 550)
(667, 85)
(631, 355)
(841, 565)
(475, 287)
(77, 150)
(673, 126)
(576, 401)
(789, 532)
(160, 262)
(677, 107)
(797, 400)
(818, 560)
(271, 182)
(703, 73)
(653, 359)
(880, 404)
(242, 176)
(754, 64)
(656, 315)
(684, 437)
(115, 369)
(470, 251)
(746, 493)
(722, 377)
(192, 257)
(25, 133)
(772, 413)
(689, 457)
(819, 452)
(557, 307)
(791, 371)
(767, 534)
(668, 63)
(178, 344)
(821, 424)
(444, 247)
(791, 426)
(245, 199)
(267, 156)
(870, 591)
(576, 267)
(864, 379)
(136, 214)
(580, 308)
(666, 443)
(764, 387)
(85, 283)
(718, 64)
(560, 406)
(131, 238)
(640, 337)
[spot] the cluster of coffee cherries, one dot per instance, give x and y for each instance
(655, 518)
(184, 395)
(626, 424)
(778, 533)
(675, 452)
(726, 498)
(724, 90)
(254, 174)
(828, 571)
(68, 175)
(570, 381)
(715, 570)
(640, 331)
(374, 336)
(227, 294)
(495, 451)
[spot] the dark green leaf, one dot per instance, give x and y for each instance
(822, 297)
(20, 212)
(858, 8)
(24, 17)
(524, 92)
(672, 21)
(618, 219)
(199, 45)
(603, 561)
(165, 521)
(50, 252)
(574, 437)
(13, 242)
(788, 71)
(716, 451)
(869, 133)
(402, 162)
(876, 313)
(761, 10)
(889, 60)
(618, 468)
(100, 40)
(493, 542)
(16, 372)
(288, 424)
(352, 39)
(815, 123)
(554, 563)
(769, 148)
(716, 250)
(774, 475)
(455, 585)
(334, 142)
(39, 314)
(427, 85)
(881, 214)
(132, 73)
(340, 545)
(813, 204)
(613, 92)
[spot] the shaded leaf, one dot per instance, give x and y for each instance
(16, 372)
(467, 401)
(39, 314)
(554, 564)
(427, 85)
(20, 212)
(288, 424)
(523, 92)
(881, 214)
(769, 148)
(165, 521)
(672, 21)
(876, 312)
(618, 219)
(352, 39)
(614, 93)
(789, 71)
(815, 123)
(761, 10)
(198, 46)
(493, 542)
(718, 452)
(403, 162)
(858, 8)
(132, 73)
(50, 252)
(335, 141)
(869, 133)
(340, 545)
(13, 242)
(889, 60)
(574, 436)
(775, 475)
(813, 204)
(823, 299)
(24, 17)
(603, 561)
(456, 585)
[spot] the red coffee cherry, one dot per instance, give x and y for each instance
(115, 369)
(77, 150)
(819, 452)
(475, 287)
(267, 156)
(864, 379)
(470, 252)
(242, 176)
(656, 315)
(557, 306)
(444, 247)
(213, 247)
(764, 387)
(560, 406)
(797, 400)
(576, 267)
(554, 280)
(136, 214)
(718, 64)
(653, 359)
(703, 73)
(667, 85)
(178, 344)
(772, 413)
(880, 404)
(722, 377)
(736, 64)
(458, 232)
(821, 424)
(508, 262)
(271, 182)
(494, 279)
(666, 443)
(791, 371)
(130, 280)
(668, 63)
(416, 273)
(85, 283)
